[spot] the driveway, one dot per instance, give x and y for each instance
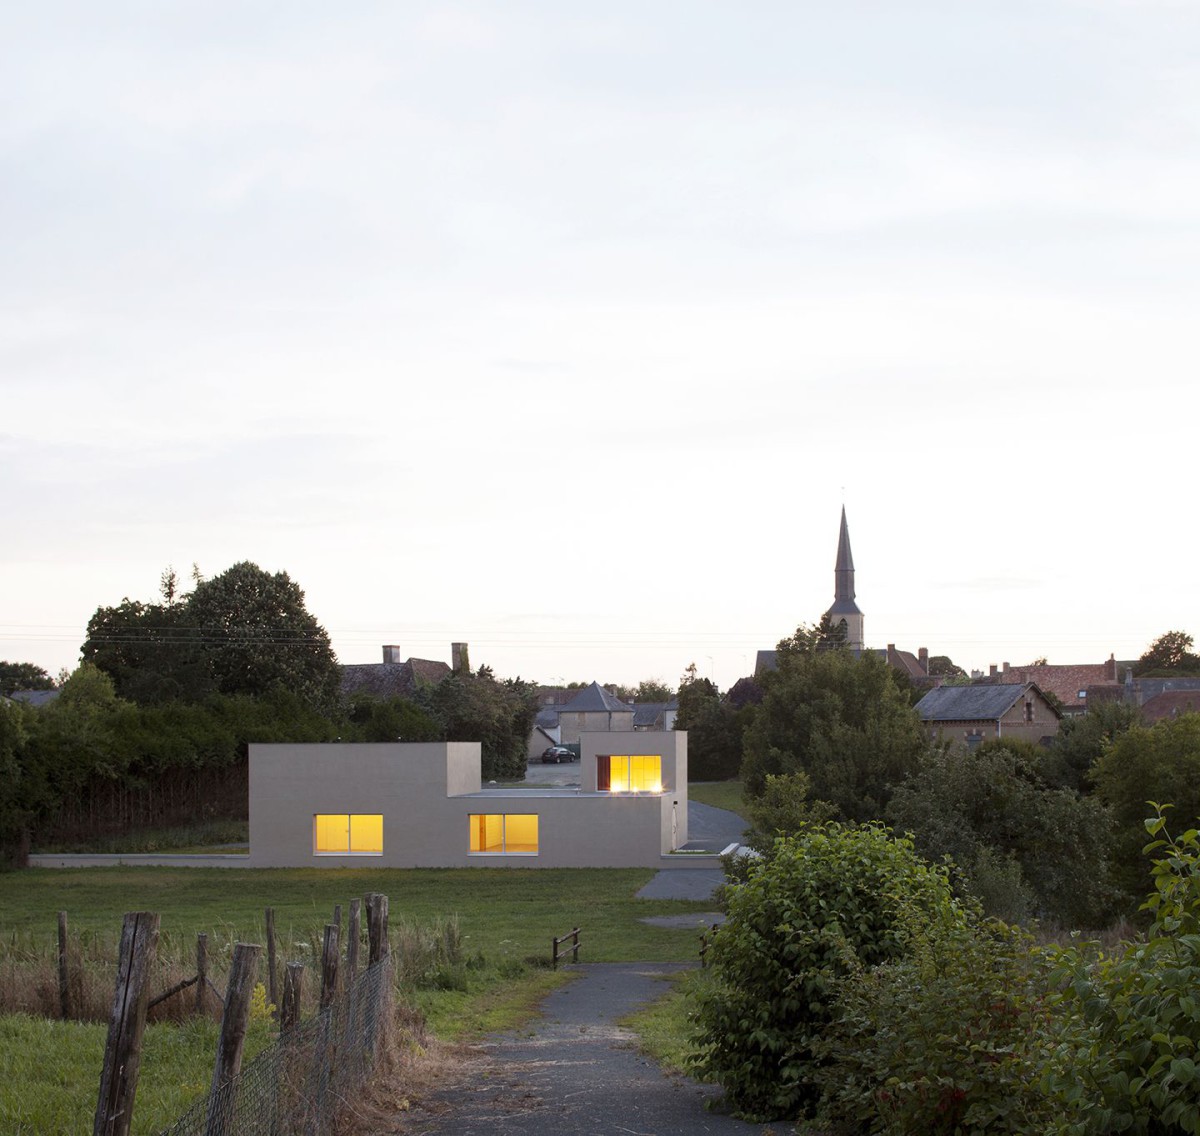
(575, 1071)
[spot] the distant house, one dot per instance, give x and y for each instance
(1071, 684)
(1170, 704)
(566, 713)
(972, 714)
(655, 715)
(592, 709)
(36, 698)
(396, 677)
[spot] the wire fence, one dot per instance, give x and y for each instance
(306, 1080)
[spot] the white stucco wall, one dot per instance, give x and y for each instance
(425, 793)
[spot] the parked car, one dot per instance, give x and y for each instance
(555, 754)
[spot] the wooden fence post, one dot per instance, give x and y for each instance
(201, 970)
(123, 1051)
(329, 965)
(377, 921)
(64, 974)
(293, 983)
(238, 993)
(353, 934)
(272, 992)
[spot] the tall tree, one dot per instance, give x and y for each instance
(714, 728)
(257, 634)
(1170, 652)
(1160, 764)
(1026, 847)
(150, 651)
(245, 631)
(23, 676)
(841, 719)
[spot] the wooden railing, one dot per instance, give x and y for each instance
(572, 950)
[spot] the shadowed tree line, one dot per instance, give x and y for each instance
(153, 729)
(1049, 832)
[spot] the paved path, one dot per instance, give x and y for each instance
(575, 1072)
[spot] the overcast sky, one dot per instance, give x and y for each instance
(566, 329)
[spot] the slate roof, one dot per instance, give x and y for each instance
(649, 714)
(594, 699)
(982, 703)
(765, 661)
(387, 680)
(1149, 688)
(34, 697)
(1170, 704)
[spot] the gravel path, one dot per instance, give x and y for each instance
(576, 1072)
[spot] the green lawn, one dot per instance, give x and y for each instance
(50, 1073)
(719, 794)
(502, 913)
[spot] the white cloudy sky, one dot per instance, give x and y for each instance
(566, 329)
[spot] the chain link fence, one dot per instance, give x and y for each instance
(301, 1084)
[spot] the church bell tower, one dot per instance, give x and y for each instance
(845, 612)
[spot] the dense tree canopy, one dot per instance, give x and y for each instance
(498, 715)
(245, 631)
(1170, 653)
(1159, 764)
(257, 634)
(1026, 847)
(841, 719)
(23, 676)
(714, 728)
(1082, 738)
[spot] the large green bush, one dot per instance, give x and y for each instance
(819, 905)
(1026, 849)
(950, 1038)
(1130, 1061)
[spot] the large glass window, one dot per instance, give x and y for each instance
(504, 834)
(348, 834)
(629, 773)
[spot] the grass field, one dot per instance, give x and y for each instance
(719, 794)
(50, 1073)
(502, 913)
(503, 922)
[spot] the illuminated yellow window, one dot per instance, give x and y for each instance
(633, 773)
(512, 834)
(348, 834)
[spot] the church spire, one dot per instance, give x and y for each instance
(845, 612)
(843, 572)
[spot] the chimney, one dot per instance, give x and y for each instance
(992, 671)
(459, 663)
(1004, 666)
(923, 658)
(1110, 669)
(391, 654)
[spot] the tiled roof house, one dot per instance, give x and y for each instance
(973, 714)
(393, 678)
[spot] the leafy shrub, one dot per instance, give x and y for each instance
(1020, 843)
(819, 905)
(784, 807)
(1129, 1061)
(950, 1038)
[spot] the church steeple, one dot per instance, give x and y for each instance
(844, 610)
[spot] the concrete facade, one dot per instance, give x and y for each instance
(427, 792)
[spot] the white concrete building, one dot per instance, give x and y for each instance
(423, 805)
